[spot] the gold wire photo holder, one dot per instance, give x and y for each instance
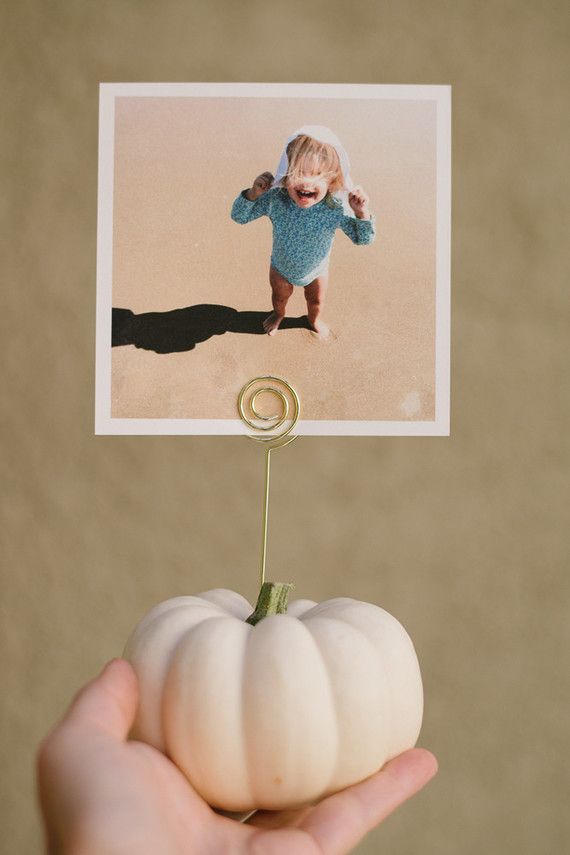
(273, 431)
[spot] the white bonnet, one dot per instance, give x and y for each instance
(322, 134)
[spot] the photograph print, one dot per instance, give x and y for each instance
(293, 231)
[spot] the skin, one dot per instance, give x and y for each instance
(315, 291)
(103, 795)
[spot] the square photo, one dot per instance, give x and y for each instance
(296, 232)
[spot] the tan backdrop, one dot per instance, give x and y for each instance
(464, 539)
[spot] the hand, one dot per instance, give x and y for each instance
(103, 795)
(260, 186)
(358, 201)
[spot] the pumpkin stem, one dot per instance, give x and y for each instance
(272, 600)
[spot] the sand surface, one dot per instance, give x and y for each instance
(179, 164)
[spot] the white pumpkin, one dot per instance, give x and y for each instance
(280, 713)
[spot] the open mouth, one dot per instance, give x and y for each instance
(307, 194)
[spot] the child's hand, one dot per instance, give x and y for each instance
(358, 201)
(260, 186)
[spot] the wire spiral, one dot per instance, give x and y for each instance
(273, 430)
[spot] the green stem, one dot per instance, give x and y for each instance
(272, 600)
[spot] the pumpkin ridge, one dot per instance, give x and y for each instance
(283, 688)
(200, 711)
(143, 637)
(382, 664)
(332, 703)
(242, 708)
(236, 606)
(379, 664)
(173, 653)
(159, 612)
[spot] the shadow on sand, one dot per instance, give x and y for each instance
(182, 329)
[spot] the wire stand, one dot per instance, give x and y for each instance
(274, 431)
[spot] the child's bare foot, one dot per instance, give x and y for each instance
(271, 323)
(321, 329)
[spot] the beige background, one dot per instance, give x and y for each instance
(463, 538)
(179, 164)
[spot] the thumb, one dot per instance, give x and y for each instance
(107, 703)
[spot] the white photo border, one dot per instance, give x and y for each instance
(440, 94)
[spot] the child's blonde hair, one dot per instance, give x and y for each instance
(308, 156)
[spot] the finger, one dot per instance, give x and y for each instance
(340, 821)
(108, 702)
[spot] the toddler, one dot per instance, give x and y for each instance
(305, 208)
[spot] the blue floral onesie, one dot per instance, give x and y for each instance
(302, 238)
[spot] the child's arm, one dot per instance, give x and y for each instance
(361, 228)
(253, 203)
